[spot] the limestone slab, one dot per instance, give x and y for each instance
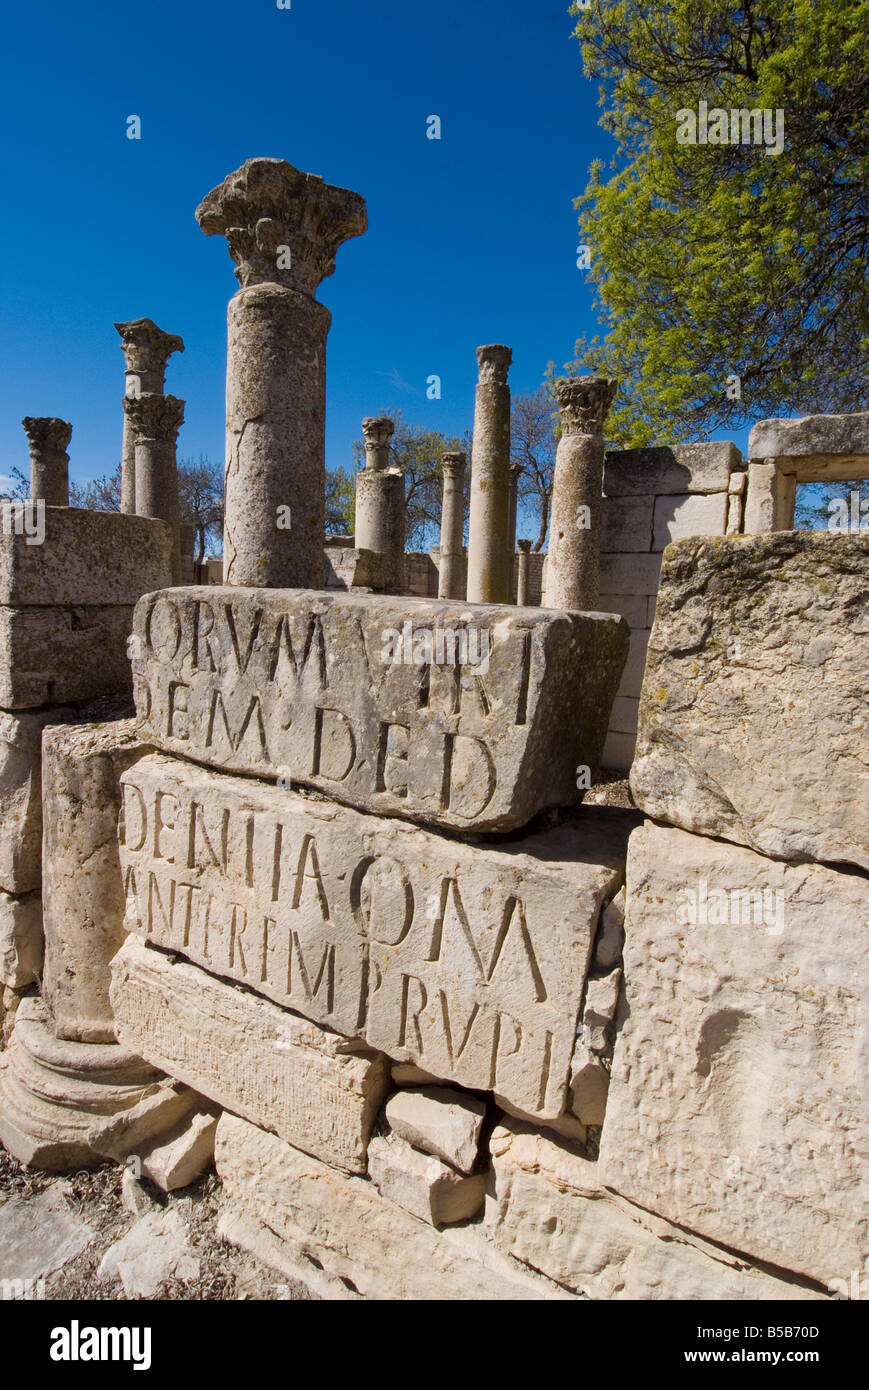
(320, 1090)
(440, 1121)
(83, 890)
(627, 523)
(51, 655)
(292, 1210)
(690, 515)
(753, 717)
(811, 436)
(547, 1208)
(668, 470)
(747, 1123)
(39, 1234)
(154, 1250)
(357, 696)
(20, 796)
(87, 558)
(629, 574)
(21, 939)
(422, 1184)
(465, 959)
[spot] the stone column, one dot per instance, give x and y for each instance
(283, 228)
(48, 439)
(522, 577)
(154, 423)
(146, 350)
(380, 504)
(451, 580)
(488, 532)
(515, 474)
(573, 563)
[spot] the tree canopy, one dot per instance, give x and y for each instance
(731, 279)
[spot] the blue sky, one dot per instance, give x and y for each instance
(471, 239)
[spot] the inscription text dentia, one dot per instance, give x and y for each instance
(451, 957)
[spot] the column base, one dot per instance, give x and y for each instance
(52, 1092)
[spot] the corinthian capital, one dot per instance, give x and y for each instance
(154, 416)
(454, 464)
(584, 402)
(283, 227)
(46, 434)
(377, 431)
(493, 362)
(146, 347)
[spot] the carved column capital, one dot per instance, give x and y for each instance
(46, 434)
(524, 546)
(584, 402)
(493, 362)
(146, 347)
(454, 465)
(283, 227)
(377, 431)
(154, 416)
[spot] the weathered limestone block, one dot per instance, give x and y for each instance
(422, 1184)
(631, 683)
(629, 574)
(753, 722)
(841, 439)
(168, 1137)
(546, 1207)
(83, 890)
(737, 1105)
(589, 1086)
(49, 655)
(698, 514)
(184, 1155)
(669, 470)
(317, 1089)
(87, 559)
(611, 934)
(467, 960)
(439, 1121)
(336, 691)
(303, 1217)
(21, 796)
(627, 523)
(21, 940)
(601, 998)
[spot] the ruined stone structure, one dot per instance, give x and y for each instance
(330, 911)
(146, 350)
(154, 421)
(48, 440)
(573, 566)
(452, 574)
(380, 505)
(283, 229)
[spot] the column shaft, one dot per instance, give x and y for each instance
(488, 538)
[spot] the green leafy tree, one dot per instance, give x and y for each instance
(533, 444)
(340, 502)
(714, 262)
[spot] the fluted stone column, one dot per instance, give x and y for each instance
(489, 526)
(48, 439)
(146, 350)
(380, 504)
(522, 576)
(573, 564)
(283, 228)
(154, 423)
(451, 580)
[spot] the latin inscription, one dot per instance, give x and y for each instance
(432, 952)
